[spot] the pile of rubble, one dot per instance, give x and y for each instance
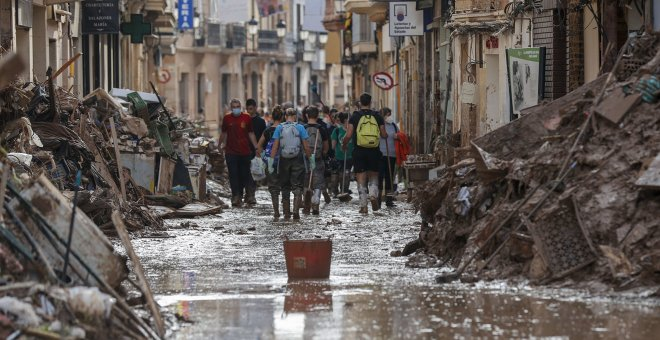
(125, 164)
(570, 192)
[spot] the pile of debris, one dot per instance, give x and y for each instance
(73, 171)
(569, 190)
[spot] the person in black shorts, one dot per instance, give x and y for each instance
(366, 127)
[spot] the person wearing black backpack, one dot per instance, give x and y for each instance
(366, 127)
(293, 149)
(319, 144)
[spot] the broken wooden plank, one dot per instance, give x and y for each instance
(650, 179)
(165, 175)
(197, 209)
(87, 241)
(617, 104)
(171, 201)
(202, 183)
(618, 262)
(161, 211)
(139, 272)
(120, 168)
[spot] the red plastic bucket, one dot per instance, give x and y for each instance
(308, 259)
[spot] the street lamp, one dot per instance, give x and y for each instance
(281, 29)
(323, 38)
(304, 35)
(312, 39)
(253, 26)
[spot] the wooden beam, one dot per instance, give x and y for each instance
(120, 168)
(139, 272)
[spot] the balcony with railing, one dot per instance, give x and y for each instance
(375, 10)
(225, 36)
(363, 39)
(468, 6)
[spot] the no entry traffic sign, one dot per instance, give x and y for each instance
(383, 80)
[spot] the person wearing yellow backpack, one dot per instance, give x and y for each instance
(366, 127)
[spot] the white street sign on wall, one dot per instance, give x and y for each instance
(405, 20)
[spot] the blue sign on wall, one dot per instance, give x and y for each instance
(186, 14)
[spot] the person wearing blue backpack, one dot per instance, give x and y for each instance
(290, 144)
(264, 149)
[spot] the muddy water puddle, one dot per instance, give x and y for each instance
(226, 275)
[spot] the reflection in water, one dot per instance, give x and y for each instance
(309, 310)
(184, 308)
(307, 296)
(306, 309)
(232, 284)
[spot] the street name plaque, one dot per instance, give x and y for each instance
(405, 19)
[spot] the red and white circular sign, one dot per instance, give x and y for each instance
(164, 76)
(383, 80)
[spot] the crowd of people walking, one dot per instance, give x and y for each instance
(312, 154)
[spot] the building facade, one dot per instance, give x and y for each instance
(452, 80)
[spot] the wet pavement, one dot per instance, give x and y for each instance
(226, 274)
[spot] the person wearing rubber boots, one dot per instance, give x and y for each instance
(388, 160)
(319, 144)
(264, 150)
(366, 127)
(258, 126)
(342, 157)
(293, 149)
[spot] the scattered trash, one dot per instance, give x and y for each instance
(561, 240)
(90, 302)
(606, 133)
(112, 155)
(22, 314)
(650, 179)
(619, 264)
(463, 199)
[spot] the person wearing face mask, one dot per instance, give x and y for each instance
(237, 137)
(388, 161)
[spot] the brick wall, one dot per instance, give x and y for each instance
(575, 47)
(550, 32)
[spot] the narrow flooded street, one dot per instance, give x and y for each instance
(226, 275)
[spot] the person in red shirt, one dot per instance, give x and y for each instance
(237, 135)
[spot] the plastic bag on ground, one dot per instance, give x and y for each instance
(90, 301)
(24, 313)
